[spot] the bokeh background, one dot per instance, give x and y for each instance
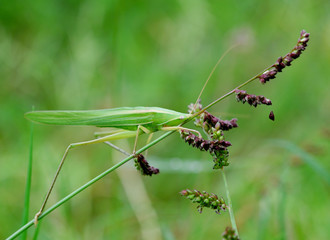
(103, 54)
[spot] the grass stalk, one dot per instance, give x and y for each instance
(28, 182)
(282, 202)
(37, 230)
(229, 204)
(307, 158)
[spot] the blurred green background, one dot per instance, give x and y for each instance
(104, 54)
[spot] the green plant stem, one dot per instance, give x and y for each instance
(282, 201)
(37, 230)
(231, 212)
(74, 193)
(28, 183)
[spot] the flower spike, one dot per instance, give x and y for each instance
(205, 199)
(252, 100)
(286, 61)
(217, 148)
(143, 166)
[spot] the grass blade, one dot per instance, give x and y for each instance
(282, 203)
(308, 159)
(28, 183)
(230, 206)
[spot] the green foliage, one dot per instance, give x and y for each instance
(85, 55)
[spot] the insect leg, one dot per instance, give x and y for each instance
(148, 141)
(119, 135)
(109, 132)
(117, 148)
(181, 128)
(144, 130)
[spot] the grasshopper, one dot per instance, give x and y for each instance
(128, 122)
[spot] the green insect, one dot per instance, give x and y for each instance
(128, 119)
(127, 122)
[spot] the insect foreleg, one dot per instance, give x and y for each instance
(181, 128)
(119, 135)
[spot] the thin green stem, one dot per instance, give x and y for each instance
(37, 230)
(28, 183)
(282, 201)
(83, 187)
(231, 212)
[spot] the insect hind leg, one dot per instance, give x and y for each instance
(115, 136)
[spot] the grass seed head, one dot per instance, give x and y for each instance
(217, 148)
(286, 61)
(205, 199)
(253, 100)
(143, 166)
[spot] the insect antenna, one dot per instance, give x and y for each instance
(211, 73)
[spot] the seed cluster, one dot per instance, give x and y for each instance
(205, 199)
(143, 166)
(285, 61)
(251, 99)
(217, 148)
(229, 234)
(214, 128)
(224, 125)
(202, 144)
(209, 121)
